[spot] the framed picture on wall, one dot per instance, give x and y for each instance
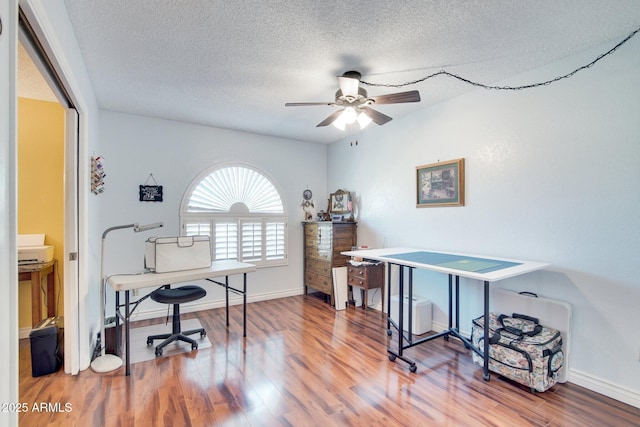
(440, 184)
(340, 203)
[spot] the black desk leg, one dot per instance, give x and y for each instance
(244, 306)
(400, 310)
(457, 303)
(117, 332)
(450, 302)
(226, 290)
(127, 336)
(410, 306)
(388, 299)
(486, 376)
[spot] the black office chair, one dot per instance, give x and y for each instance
(176, 296)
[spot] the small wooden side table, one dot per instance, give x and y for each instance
(366, 276)
(34, 273)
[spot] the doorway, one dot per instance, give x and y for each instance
(41, 125)
(53, 214)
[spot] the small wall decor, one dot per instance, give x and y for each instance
(440, 184)
(308, 205)
(150, 193)
(97, 175)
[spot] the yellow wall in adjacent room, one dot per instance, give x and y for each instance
(41, 188)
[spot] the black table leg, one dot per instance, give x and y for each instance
(457, 304)
(244, 306)
(450, 301)
(486, 375)
(226, 290)
(388, 299)
(127, 336)
(117, 332)
(401, 310)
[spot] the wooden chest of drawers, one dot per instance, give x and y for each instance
(323, 242)
(367, 276)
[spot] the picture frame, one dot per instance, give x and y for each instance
(340, 202)
(440, 184)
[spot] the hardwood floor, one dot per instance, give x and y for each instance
(305, 364)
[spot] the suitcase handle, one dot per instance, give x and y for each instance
(517, 331)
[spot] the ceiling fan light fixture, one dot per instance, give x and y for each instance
(340, 123)
(364, 120)
(347, 117)
(350, 115)
(355, 104)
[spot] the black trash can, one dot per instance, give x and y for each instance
(46, 346)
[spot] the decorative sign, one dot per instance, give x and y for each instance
(150, 193)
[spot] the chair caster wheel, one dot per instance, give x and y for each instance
(149, 342)
(194, 346)
(158, 352)
(203, 334)
(392, 357)
(389, 332)
(413, 368)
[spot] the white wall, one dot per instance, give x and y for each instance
(176, 153)
(552, 174)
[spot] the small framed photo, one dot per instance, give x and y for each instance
(340, 202)
(440, 184)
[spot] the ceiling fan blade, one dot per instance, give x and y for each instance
(397, 98)
(348, 85)
(377, 117)
(330, 119)
(306, 104)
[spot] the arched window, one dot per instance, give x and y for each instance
(242, 211)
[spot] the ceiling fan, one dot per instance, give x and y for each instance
(355, 104)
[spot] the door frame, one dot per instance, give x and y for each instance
(9, 359)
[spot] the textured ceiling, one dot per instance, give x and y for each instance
(234, 64)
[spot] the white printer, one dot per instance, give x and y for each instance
(32, 250)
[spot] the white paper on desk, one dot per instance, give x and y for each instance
(340, 292)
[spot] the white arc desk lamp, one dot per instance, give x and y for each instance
(111, 362)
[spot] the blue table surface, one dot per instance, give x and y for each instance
(458, 262)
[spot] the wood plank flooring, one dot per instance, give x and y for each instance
(305, 364)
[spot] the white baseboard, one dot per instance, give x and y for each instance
(614, 391)
(598, 385)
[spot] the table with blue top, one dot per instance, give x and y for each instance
(481, 268)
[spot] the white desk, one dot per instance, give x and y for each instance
(128, 282)
(479, 267)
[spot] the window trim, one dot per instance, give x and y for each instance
(211, 218)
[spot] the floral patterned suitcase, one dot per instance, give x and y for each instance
(520, 349)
